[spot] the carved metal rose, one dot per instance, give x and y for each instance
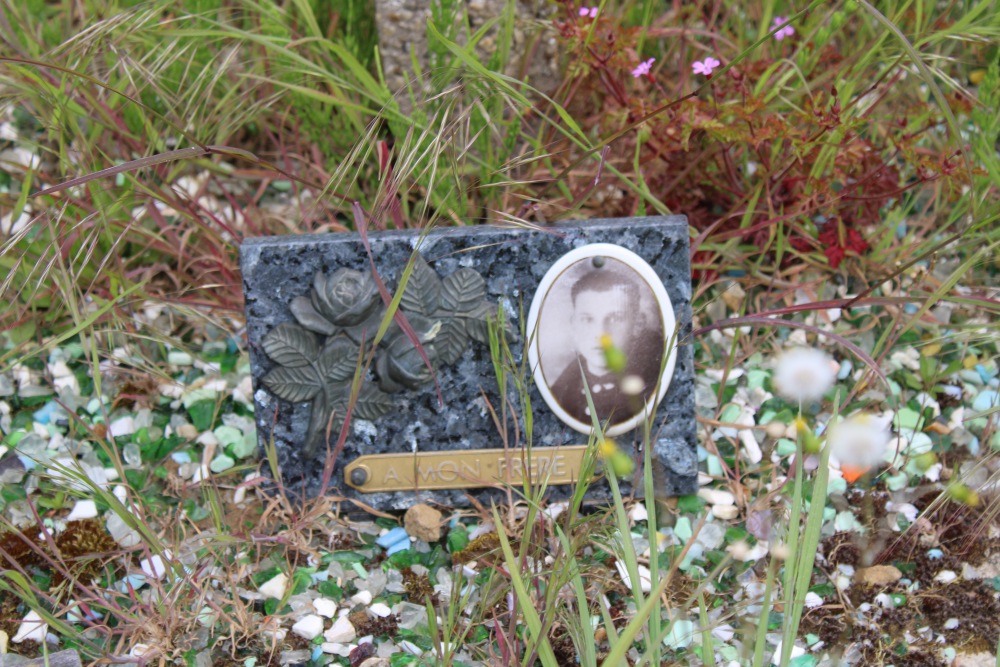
(345, 308)
(345, 299)
(402, 365)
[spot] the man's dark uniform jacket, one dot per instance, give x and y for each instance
(608, 398)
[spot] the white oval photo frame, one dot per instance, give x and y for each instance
(646, 275)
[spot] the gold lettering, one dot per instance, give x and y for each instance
(559, 466)
(449, 471)
(390, 476)
(540, 468)
(470, 469)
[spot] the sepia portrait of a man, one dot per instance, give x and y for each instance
(600, 326)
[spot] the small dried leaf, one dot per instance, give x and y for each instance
(290, 345)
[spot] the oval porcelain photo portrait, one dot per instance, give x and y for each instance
(601, 321)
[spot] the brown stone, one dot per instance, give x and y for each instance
(974, 660)
(877, 575)
(733, 295)
(423, 522)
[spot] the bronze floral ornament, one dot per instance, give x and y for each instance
(319, 358)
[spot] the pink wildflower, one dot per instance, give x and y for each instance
(589, 11)
(705, 66)
(787, 31)
(643, 68)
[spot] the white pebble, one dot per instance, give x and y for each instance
(725, 512)
(951, 624)
(171, 389)
(341, 631)
(60, 370)
(154, 566)
(379, 609)
(645, 577)
(32, 628)
(362, 597)
(325, 607)
(751, 448)
(945, 576)
(813, 600)
(775, 430)
(791, 432)
(208, 438)
(179, 358)
(67, 385)
(410, 647)
(83, 509)
(274, 587)
(308, 627)
(908, 511)
(120, 492)
(796, 652)
(122, 533)
(121, 427)
(717, 497)
(638, 513)
(336, 648)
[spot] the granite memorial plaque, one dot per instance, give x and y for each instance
(606, 323)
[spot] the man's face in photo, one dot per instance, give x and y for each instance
(596, 313)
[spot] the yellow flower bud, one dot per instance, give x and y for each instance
(614, 357)
(810, 443)
(620, 463)
(963, 494)
(926, 460)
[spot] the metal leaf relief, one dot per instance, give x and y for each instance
(451, 341)
(476, 322)
(462, 291)
(422, 289)
(290, 345)
(317, 356)
(338, 360)
(294, 384)
(372, 403)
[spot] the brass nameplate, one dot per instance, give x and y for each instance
(464, 469)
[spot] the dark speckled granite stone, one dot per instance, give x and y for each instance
(513, 262)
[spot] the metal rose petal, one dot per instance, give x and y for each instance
(319, 297)
(307, 316)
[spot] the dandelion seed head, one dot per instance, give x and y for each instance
(804, 374)
(858, 444)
